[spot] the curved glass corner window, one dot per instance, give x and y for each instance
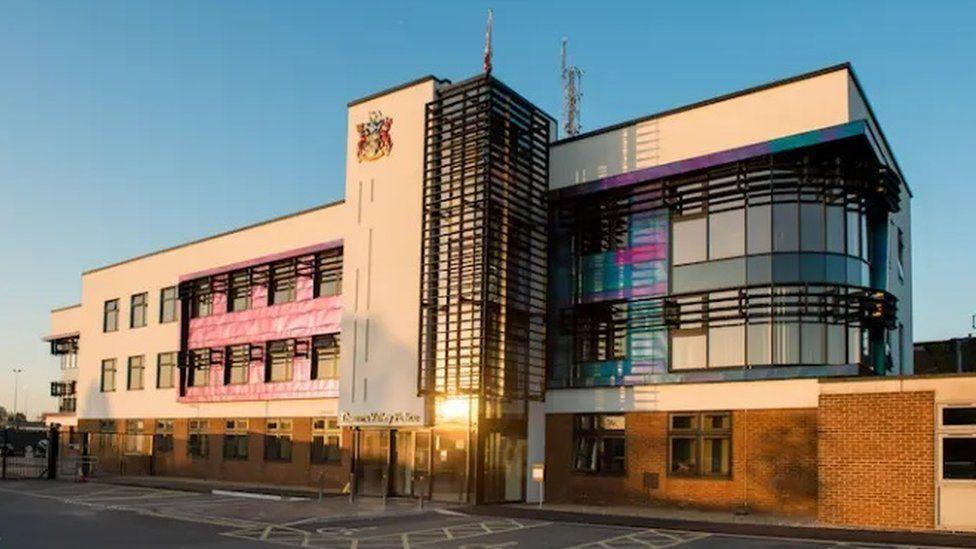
(812, 227)
(760, 236)
(835, 229)
(709, 275)
(786, 227)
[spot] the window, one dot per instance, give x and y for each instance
(163, 439)
(235, 439)
(135, 441)
(786, 227)
(759, 234)
(688, 349)
(601, 332)
(812, 227)
(726, 346)
(326, 441)
(136, 369)
(328, 273)
(165, 370)
(69, 361)
(110, 319)
(277, 440)
(197, 442)
(700, 444)
(690, 236)
(281, 355)
(199, 368)
(726, 234)
(600, 444)
(954, 417)
(167, 304)
(959, 458)
(238, 363)
(239, 298)
(106, 426)
(282, 284)
(138, 310)
(201, 303)
(325, 357)
(108, 375)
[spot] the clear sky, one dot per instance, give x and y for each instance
(130, 126)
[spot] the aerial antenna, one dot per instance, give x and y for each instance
(572, 94)
(488, 42)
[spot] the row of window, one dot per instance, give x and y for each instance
(236, 359)
(766, 228)
(139, 310)
(325, 447)
(279, 360)
(699, 444)
(136, 368)
(282, 279)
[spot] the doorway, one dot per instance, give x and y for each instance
(956, 455)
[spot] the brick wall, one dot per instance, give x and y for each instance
(774, 467)
(877, 460)
(299, 471)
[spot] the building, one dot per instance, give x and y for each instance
(709, 306)
(956, 355)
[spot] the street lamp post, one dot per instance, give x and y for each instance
(16, 391)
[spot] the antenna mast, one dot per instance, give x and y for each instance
(572, 94)
(487, 65)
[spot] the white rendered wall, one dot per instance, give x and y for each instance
(152, 273)
(381, 273)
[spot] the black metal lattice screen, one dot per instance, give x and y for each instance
(484, 280)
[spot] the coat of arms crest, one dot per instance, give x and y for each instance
(374, 137)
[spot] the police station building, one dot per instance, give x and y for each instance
(708, 307)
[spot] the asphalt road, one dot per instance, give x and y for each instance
(59, 514)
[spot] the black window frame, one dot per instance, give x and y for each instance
(590, 431)
(199, 360)
(328, 271)
(130, 367)
(231, 353)
(143, 307)
(201, 299)
(288, 348)
(163, 436)
(285, 272)
(115, 375)
(236, 440)
(171, 364)
(325, 341)
(239, 287)
(321, 450)
(168, 302)
(274, 441)
(197, 440)
(698, 432)
(110, 310)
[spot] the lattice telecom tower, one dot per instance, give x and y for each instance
(572, 77)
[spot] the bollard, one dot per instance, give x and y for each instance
(321, 485)
(352, 488)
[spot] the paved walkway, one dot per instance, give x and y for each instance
(104, 515)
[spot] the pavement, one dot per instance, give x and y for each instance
(41, 513)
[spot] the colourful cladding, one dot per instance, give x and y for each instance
(637, 271)
(300, 319)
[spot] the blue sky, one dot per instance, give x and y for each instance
(126, 127)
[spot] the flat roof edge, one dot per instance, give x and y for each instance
(717, 99)
(216, 236)
(65, 308)
(396, 88)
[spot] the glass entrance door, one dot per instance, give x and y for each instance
(411, 472)
(373, 462)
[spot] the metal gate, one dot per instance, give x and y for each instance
(29, 453)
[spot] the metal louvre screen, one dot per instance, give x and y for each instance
(483, 307)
